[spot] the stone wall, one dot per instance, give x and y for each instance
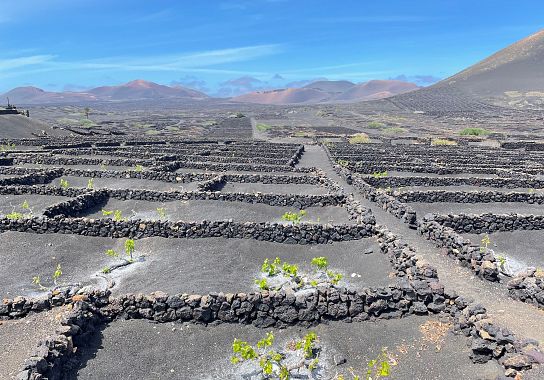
(509, 183)
(39, 177)
(481, 262)
(528, 286)
(213, 184)
(78, 205)
(280, 233)
(432, 196)
(487, 223)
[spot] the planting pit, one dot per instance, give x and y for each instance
(478, 208)
(25, 255)
(257, 187)
(37, 203)
(231, 265)
(200, 352)
(524, 247)
(195, 210)
(126, 183)
(20, 338)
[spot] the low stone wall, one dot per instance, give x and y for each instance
(167, 176)
(432, 196)
(55, 160)
(482, 263)
(487, 223)
(42, 190)
(280, 233)
(299, 202)
(509, 183)
(39, 177)
(528, 286)
(76, 206)
(241, 167)
(214, 184)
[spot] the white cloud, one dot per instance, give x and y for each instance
(15, 63)
(194, 60)
(197, 62)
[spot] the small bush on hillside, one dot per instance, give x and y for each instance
(262, 127)
(359, 138)
(375, 125)
(394, 131)
(443, 142)
(474, 132)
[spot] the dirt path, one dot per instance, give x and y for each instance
(523, 319)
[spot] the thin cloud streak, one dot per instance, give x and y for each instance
(192, 62)
(14, 63)
(370, 19)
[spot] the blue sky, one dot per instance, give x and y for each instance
(230, 46)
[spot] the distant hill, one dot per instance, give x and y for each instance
(376, 89)
(512, 77)
(329, 91)
(34, 95)
(19, 127)
(331, 86)
(284, 96)
(518, 67)
(138, 89)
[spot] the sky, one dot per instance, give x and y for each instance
(227, 47)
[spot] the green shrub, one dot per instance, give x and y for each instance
(129, 248)
(375, 125)
(474, 132)
(278, 364)
(262, 127)
(443, 142)
(380, 174)
(64, 183)
(359, 138)
(294, 217)
(394, 130)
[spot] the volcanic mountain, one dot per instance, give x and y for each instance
(34, 95)
(512, 77)
(518, 67)
(329, 91)
(141, 89)
(135, 90)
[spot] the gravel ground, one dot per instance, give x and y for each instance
(231, 265)
(218, 210)
(126, 183)
(524, 246)
(303, 189)
(20, 337)
(25, 255)
(37, 203)
(175, 351)
(478, 208)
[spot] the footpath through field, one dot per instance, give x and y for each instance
(521, 318)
